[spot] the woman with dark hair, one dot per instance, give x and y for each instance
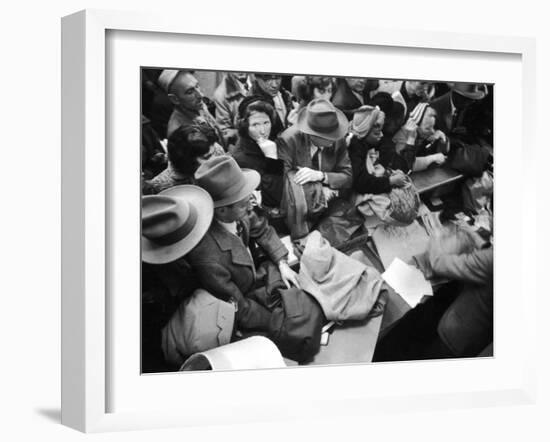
(254, 149)
(188, 148)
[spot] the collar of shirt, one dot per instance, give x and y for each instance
(453, 107)
(230, 227)
(280, 105)
(313, 149)
(359, 97)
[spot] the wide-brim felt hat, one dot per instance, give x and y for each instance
(322, 119)
(174, 222)
(225, 181)
(474, 91)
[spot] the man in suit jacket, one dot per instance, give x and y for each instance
(315, 146)
(451, 107)
(222, 259)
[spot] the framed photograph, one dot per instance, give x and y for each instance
(132, 289)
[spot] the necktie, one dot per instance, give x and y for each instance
(315, 161)
(240, 231)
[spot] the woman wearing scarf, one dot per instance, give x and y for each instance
(418, 143)
(366, 133)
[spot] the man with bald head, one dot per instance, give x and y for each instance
(184, 92)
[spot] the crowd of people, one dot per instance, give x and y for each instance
(227, 173)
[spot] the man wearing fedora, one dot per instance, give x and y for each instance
(315, 147)
(222, 259)
(451, 107)
(173, 223)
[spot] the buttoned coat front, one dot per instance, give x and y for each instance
(226, 269)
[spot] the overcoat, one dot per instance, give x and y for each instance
(226, 269)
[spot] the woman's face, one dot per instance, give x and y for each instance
(375, 134)
(426, 127)
(325, 93)
(259, 126)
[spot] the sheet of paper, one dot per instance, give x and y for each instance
(407, 281)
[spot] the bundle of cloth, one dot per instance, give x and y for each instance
(345, 288)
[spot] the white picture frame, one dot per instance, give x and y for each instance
(87, 213)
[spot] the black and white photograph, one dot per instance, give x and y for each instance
(297, 220)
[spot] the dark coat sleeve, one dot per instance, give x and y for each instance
(266, 237)
(271, 171)
(340, 177)
(363, 181)
(285, 151)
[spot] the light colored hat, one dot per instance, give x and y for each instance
(202, 322)
(166, 78)
(474, 91)
(322, 119)
(250, 353)
(173, 222)
(225, 181)
(363, 120)
(417, 114)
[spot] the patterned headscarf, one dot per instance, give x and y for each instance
(363, 120)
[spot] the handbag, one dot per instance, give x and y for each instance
(399, 207)
(296, 318)
(296, 325)
(468, 159)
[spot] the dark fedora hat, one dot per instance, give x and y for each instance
(474, 91)
(225, 181)
(322, 119)
(173, 222)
